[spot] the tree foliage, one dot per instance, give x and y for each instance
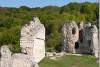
(53, 17)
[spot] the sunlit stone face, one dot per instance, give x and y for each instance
(32, 40)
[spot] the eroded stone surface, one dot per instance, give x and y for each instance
(83, 40)
(32, 40)
(5, 60)
(32, 43)
(94, 40)
(15, 60)
(70, 34)
(22, 60)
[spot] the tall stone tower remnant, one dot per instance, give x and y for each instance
(70, 34)
(32, 43)
(32, 40)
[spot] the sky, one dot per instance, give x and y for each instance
(38, 3)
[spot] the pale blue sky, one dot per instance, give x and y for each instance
(38, 3)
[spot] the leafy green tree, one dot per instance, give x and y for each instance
(53, 17)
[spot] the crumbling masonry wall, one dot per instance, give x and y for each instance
(83, 40)
(70, 34)
(32, 40)
(32, 43)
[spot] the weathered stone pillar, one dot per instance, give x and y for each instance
(70, 35)
(94, 32)
(32, 40)
(32, 43)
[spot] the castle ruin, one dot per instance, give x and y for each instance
(32, 43)
(80, 38)
(32, 40)
(76, 38)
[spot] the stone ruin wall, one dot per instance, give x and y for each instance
(84, 39)
(75, 39)
(32, 40)
(32, 43)
(69, 36)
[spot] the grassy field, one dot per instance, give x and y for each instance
(70, 61)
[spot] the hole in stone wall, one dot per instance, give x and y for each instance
(73, 30)
(89, 42)
(81, 36)
(0, 54)
(76, 45)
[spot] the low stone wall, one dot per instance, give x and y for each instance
(15, 60)
(54, 55)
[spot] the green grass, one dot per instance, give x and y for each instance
(70, 61)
